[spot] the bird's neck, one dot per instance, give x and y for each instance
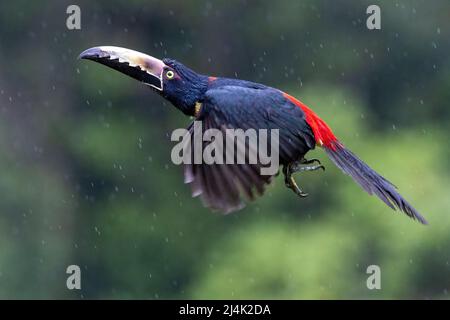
(188, 97)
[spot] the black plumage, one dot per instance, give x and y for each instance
(230, 104)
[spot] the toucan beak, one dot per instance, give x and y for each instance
(135, 64)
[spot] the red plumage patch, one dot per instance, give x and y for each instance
(322, 132)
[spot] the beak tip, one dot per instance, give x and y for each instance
(91, 53)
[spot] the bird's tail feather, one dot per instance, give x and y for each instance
(369, 180)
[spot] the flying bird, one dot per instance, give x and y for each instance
(223, 103)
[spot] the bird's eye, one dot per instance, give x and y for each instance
(170, 74)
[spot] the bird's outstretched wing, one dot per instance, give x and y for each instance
(230, 107)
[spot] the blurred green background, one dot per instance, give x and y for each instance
(86, 175)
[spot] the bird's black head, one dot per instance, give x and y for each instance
(182, 86)
(171, 79)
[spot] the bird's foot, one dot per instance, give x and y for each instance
(298, 166)
(306, 161)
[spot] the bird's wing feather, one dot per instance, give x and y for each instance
(231, 107)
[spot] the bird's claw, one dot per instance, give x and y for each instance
(306, 161)
(289, 180)
(291, 184)
(293, 167)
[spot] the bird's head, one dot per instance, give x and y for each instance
(171, 79)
